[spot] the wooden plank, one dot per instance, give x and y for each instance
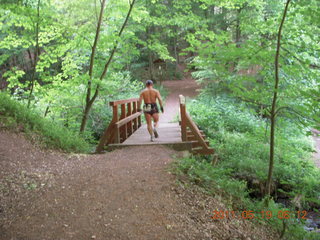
(191, 135)
(190, 132)
(135, 121)
(182, 99)
(139, 118)
(105, 138)
(126, 129)
(178, 146)
(115, 115)
(109, 132)
(127, 119)
(183, 118)
(207, 151)
(168, 132)
(124, 101)
(123, 128)
(197, 144)
(129, 124)
(193, 127)
(139, 121)
(193, 138)
(112, 136)
(117, 138)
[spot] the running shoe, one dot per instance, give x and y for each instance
(156, 135)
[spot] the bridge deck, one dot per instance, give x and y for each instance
(169, 134)
(125, 130)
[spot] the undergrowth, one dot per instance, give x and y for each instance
(240, 139)
(14, 115)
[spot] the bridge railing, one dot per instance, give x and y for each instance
(190, 131)
(125, 121)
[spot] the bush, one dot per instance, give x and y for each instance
(50, 134)
(219, 181)
(212, 179)
(241, 140)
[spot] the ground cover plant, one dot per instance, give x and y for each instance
(15, 116)
(240, 138)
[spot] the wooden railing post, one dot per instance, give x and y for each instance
(139, 118)
(116, 116)
(110, 131)
(129, 112)
(123, 129)
(135, 121)
(183, 118)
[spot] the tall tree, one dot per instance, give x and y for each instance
(273, 113)
(90, 100)
(36, 54)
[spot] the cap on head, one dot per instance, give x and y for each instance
(149, 83)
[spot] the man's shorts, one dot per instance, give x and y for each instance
(150, 108)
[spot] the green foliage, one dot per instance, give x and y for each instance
(240, 140)
(219, 180)
(231, 45)
(214, 180)
(51, 134)
(239, 58)
(293, 225)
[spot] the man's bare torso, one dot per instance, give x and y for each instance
(150, 95)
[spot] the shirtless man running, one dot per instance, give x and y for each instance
(150, 108)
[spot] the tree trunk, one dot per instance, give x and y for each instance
(238, 30)
(47, 110)
(274, 103)
(150, 58)
(89, 84)
(85, 116)
(36, 54)
(175, 49)
(90, 101)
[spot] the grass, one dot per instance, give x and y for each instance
(240, 139)
(14, 115)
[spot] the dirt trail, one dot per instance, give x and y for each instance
(125, 194)
(187, 87)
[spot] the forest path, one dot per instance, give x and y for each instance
(169, 129)
(186, 86)
(125, 194)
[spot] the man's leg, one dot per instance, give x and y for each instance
(155, 117)
(149, 124)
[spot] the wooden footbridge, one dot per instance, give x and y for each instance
(126, 129)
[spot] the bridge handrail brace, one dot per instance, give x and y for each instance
(124, 101)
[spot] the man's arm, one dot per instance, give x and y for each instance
(160, 100)
(139, 102)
